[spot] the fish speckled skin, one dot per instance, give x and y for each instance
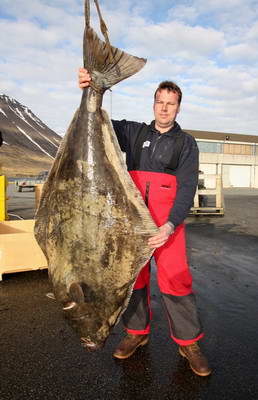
(92, 223)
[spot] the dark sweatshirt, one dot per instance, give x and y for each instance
(156, 156)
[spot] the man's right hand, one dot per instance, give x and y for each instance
(84, 78)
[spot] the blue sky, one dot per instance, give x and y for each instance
(208, 47)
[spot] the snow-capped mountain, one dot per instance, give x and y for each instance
(28, 144)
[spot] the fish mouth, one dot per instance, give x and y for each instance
(89, 345)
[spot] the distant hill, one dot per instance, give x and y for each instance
(29, 146)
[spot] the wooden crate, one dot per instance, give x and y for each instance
(19, 250)
(219, 207)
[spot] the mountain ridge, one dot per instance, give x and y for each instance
(29, 145)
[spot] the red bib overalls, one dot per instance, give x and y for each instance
(174, 278)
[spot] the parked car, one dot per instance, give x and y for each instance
(31, 183)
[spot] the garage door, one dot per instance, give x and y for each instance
(236, 175)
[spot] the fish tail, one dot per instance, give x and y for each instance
(104, 31)
(107, 65)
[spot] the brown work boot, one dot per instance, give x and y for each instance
(129, 344)
(198, 362)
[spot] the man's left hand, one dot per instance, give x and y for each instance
(164, 232)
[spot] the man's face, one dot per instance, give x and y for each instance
(165, 109)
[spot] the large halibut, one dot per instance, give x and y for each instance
(92, 223)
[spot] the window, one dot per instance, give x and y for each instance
(240, 149)
(209, 147)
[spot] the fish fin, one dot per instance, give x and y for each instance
(115, 317)
(106, 73)
(76, 292)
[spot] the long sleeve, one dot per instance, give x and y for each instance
(187, 180)
(126, 132)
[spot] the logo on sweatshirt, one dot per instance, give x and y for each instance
(146, 144)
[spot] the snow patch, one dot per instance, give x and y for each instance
(2, 111)
(33, 117)
(20, 115)
(24, 133)
(8, 98)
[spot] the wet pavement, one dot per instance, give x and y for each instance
(41, 358)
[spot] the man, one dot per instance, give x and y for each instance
(163, 162)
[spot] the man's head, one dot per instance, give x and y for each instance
(167, 99)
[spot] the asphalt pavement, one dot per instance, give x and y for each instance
(41, 358)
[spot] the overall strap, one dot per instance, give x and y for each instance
(142, 134)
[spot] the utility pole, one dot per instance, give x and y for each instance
(110, 103)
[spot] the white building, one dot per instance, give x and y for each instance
(231, 155)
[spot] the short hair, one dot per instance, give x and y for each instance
(171, 87)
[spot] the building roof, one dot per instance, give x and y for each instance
(220, 136)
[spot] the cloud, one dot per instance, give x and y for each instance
(252, 33)
(183, 13)
(208, 47)
(243, 52)
(175, 38)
